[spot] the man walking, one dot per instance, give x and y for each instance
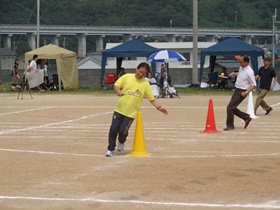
(244, 84)
(266, 74)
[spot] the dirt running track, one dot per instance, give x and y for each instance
(52, 152)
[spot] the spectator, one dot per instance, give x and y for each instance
(165, 80)
(15, 75)
(33, 66)
(223, 78)
(266, 74)
(46, 74)
(122, 72)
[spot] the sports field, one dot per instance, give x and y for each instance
(53, 156)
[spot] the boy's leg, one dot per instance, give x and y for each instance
(124, 127)
(114, 129)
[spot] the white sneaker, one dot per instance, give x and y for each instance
(120, 147)
(109, 153)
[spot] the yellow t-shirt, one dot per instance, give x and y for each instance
(134, 90)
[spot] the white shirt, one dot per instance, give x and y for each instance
(33, 64)
(245, 78)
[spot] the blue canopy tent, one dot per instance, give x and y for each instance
(230, 46)
(131, 49)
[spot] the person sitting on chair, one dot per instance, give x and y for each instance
(164, 83)
(153, 84)
(122, 72)
(150, 79)
(222, 78)
(165, 80)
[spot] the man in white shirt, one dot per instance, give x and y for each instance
(244, 84)
(33, 64)
(34, 79)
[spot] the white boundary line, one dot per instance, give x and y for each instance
(51, 124)
(267, 205)
(28, 110)
(150, 156)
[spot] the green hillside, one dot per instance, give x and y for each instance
(212, 13)
(158, 13)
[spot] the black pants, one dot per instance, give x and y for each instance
(119, 127)
(232, 109)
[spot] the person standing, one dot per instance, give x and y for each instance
(33, 64)
(266, 74)
(131, 88)
(47, 72)
(244, 84)
(33, 67)
(15, 75)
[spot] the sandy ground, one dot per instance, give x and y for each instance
(53, 156)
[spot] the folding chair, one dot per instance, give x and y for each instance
(212, 79)
(110, 81)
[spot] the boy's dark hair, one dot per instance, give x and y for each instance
(144, 65)
(35, 56)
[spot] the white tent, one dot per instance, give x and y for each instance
(66, 62)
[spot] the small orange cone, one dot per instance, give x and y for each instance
(139, 147)
(210, 122)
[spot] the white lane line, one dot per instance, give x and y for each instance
(266, 205)
(276, 104)
(28, 110)
(151, 156)
(52, 124)
(49, 153)
(171, 139)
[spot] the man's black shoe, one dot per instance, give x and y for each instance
(268, 111)
(228, 128)
(247, 122)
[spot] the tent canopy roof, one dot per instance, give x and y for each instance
(50, 51)
(232, 46)
(65, 60)
(133, 48)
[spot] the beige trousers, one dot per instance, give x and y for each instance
(259, 100)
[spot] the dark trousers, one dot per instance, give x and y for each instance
(232, 109)
(119, 127)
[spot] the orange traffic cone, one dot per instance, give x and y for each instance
(139, 147)
(210, 122)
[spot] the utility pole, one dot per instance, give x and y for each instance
(195, 51)
(38, 23)
(273, 36)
